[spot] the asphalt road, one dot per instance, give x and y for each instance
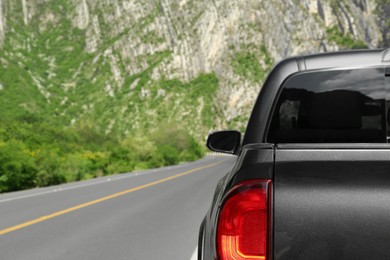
(152, 214)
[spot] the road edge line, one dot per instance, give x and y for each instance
(96, 201)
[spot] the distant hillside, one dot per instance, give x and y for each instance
(129, 65)
(114, 69)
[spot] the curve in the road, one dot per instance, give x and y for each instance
(112, 196)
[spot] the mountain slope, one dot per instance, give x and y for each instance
(112, 62)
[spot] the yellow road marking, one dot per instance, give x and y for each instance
(115, 195)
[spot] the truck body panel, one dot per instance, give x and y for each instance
(319, 131)
(332, 203)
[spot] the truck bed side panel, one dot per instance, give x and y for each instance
(332, 203)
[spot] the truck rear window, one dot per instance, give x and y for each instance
(339, 106)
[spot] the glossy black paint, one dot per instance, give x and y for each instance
(258, 120)
(263, 108)
(331, 201)
(227, 141)
(254, 162)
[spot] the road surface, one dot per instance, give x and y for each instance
(153, 214)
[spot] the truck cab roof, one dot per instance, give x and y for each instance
(257, 126)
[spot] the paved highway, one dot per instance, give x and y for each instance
(153, 214)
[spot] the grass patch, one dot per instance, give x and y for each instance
(346, 41)
(247, 64)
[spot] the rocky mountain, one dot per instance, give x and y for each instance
(125, 66)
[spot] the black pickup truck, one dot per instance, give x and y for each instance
(312, 175)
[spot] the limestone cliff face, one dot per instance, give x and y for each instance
(238, 41)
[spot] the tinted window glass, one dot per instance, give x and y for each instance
(340, 106)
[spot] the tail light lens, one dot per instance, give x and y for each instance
(244, 224)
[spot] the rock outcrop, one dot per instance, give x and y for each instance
(146, 42)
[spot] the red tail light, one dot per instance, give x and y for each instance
(244, 224)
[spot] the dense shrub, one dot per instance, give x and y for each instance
(34, 153)
(17, 167)
(48, 162)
